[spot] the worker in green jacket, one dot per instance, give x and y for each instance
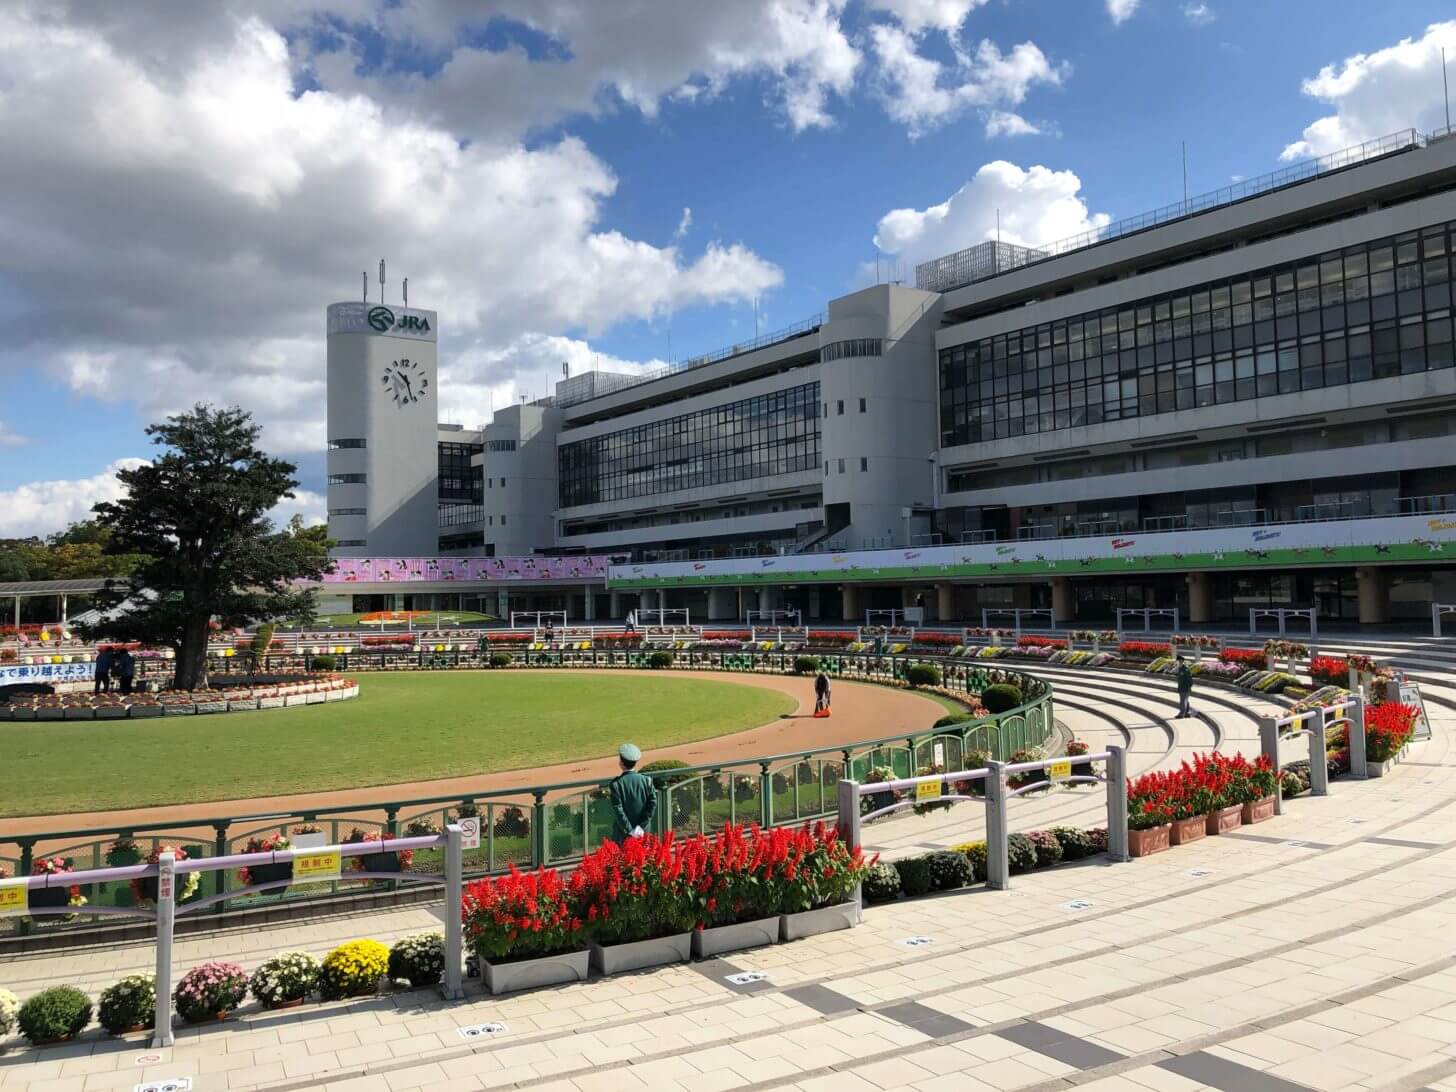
(634, 798)
(1185, 687)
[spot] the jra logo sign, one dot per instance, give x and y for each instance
(383, 320)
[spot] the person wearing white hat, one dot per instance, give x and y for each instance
(634, 797)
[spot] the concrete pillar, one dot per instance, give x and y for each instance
(768, 598)
(1063, 607)
(1374, 593)
(614, 606)
(816, 603)
(722, 604)
(590, 614)
(1200, 598)
(849, 599)
(64, 612)
(649, 599)
(944, 602)
(503, 604)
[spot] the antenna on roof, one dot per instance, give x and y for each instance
(565, 370)
(365, 275)
(1185, 178)
(381, 280)
(406, 293)
(1445, 89)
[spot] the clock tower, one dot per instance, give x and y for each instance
(382, 414)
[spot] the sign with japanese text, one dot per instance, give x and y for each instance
(317, 866)
(13, 899)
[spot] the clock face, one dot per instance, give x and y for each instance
(405, 381)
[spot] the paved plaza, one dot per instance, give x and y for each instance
(1314, 951)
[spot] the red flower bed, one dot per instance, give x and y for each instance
(521, 914)
(727, 635)
(1143, 650)
(1203, 784)
(1330, 671)
(1388, 727)
(1252, 658)
(1040, 642)
(505, 635)
(950, 639)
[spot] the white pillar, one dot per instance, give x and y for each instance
(849, 596)
(590, 613)
(1374, 594)
(614, 607)
(1062, 607)
(944, 602)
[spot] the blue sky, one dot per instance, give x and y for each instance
(537, 197)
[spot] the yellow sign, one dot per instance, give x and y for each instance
(1060, 771)
(927, 790)
(316, 865)
(13, 899)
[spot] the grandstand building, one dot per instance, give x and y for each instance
(1245, 399)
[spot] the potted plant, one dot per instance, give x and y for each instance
(738, 904)
(210, 992)
(353, 970)
(377, 862)
(283, 981)
(1075, 749)
(46, 898)
(129, 1005)
(1388, 729)
(419, 959)
(1257, 790)
(1224, 777)
(1149, 814)
(9, 1008)
(1027, 778)
(144, 888)
(638, 902)
(1193, 798)
(122, 852)
(268, 872)
(819, 877)
(54, 1015)
(525, 929)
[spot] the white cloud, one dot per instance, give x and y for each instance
(42, 508)
(684, 222)
(1378, 93)
(1037, 205)
(1200, 15)
(9, 438)
(1005, 123)
(1122, 10)
(923, 93)
(918, 15)
(210, 213)
(313, 507)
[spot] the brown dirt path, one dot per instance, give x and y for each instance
(862, 711)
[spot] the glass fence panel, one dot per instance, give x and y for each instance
(566, 828)
(509, 831)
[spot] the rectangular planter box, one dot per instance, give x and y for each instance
(212, 707)
(236, 705)
(335, 695)
(525, 974)
(317, 698)
(731, 938)
(827, 919)
(86, 713)
(270, 703)
(1258, 811)
(1144, 843)
(634, 956)
(179, 710)
(110, 712)
(1380, 769)
(1188, 830)
(52, 712)
(296, 699)
(144, 710)
(1224, 819)
(22, 714)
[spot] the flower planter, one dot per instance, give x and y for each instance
(1380, 769)
(1257, 811)
(22, 714)
(80, 713)
(212, 707)
(144, 711)
(50, 712)
(295, 699)
(1220, 820)
(635, 955)
(1083, 769)
(525, 974)
(110, 712)
(316, 697)
(270, 703)
(239, 705)
(48, 898)
(379, 862)
(731, 938)
(1188, 830)
(179, 709)
(826, 919)
(270, 873)
(286, 1004)
(1144, 843)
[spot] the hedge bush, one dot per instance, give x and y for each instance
(1020, 853)
(1075, 843)
(500, 659)
(954, 718)
(56, 1013)
(806, 665)
(949, 870)
(1000, 697)
(353, 969)
(660, 659)
(323, 663)
(1048, 848)
(922, 675)
(660, 765)
(419, 959)
(881, 883)
(975, 853)
(130, 1003)
(914, 875)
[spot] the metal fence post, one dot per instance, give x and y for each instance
(847, 824)
(1269, 748)
(1356, 735)
(454, 867)
(998, 867)
(1319, 767)
(1117, 804)
(166, 916)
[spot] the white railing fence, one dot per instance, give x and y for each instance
(1312, 724)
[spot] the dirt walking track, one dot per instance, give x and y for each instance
(861, 711)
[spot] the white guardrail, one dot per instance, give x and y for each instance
(325, 862)
(1313, 724)
(994, 782)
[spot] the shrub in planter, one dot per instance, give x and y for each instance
(914, 875)
(659, 659)
(54, 1014)
(662, 768)
(922, 675)
(1388, 727)
(975, 853)
(949, 870)
(322, 663)
(521, 915)
(1076, 843)
(284, 980)
(806, 665)
(1020, 853)
(123, 852)
(266, 873)
(421, 826)
(9, 1006)
(419, 959)
(954, 718)
(210, 992)
(384, 861)
(129, 1005)
(144, 888)
(641, 889)
(1000, 697)
(353, 969)
(510, 823)
(881, 883)
(1048, 847)
(1294, 780)
(874, 801)
(499, 659)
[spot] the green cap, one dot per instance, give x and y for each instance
(629, 752)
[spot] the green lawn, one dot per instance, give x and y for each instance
(401, 727)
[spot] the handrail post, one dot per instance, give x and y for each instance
(998, 868)
(454, 869)
(1116, 772)
(1269, 748)
(765, 796)
(538, 828)
(1319, 768)
(219, 849)
(166, 917)
(847, 824)
(1356, 736)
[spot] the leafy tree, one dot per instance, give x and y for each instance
(198, 513)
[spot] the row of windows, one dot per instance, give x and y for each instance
(1367, 312)
(864, 465)
(756, 437)
(858, 346)
(463, 540)
(500, 445)
(336, 445)
(839, 407)
(350, 542)
(457, 480)
(348, 511)
(348, 479)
